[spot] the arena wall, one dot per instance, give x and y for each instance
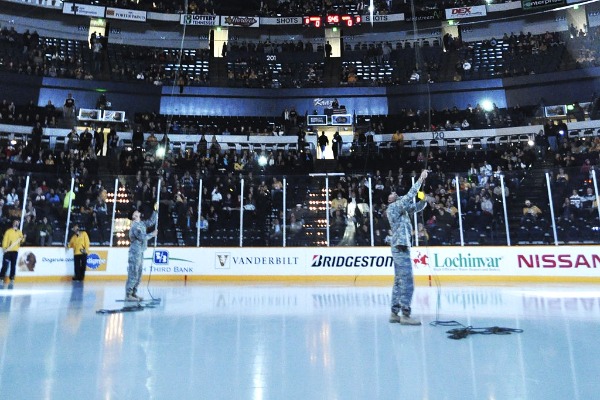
(479, 263)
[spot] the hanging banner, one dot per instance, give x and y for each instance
(466, 12)
(316, 120)
(425, 15)
(537, 4)
(114, 116)
(128, 15)
(341, 119)
(199, 20)
(383, 18)
(243, 22)
(83, 9)
(89, 114)
(281, 21)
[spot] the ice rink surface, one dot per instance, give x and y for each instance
(305, 341)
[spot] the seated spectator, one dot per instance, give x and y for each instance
(339, 203)
(14, 211)
(202, 146)
(363, 235)
(87, 212)
(294, 225)
(216, 198)
(69, 108)
(566, 210)
(203, 224)
(29, 231)
(530, 212)
(44, 232)
(212, 218)
(487, 210)
(30, 210)
(562, 178)
(398, 140)
(443, 218)
(12, 197)
(151, 143)
(415, 77)
(575, 201)
(215, 147)
(422, 234)
(485, 172)
(276, 232)
(588, 200)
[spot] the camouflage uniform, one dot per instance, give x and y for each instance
(139, 243)
(399, 214)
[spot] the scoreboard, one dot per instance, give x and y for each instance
(341, 20)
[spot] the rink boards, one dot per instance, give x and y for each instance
(479, 263)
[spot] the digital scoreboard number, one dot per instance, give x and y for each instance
(315, 21)
(341, 20)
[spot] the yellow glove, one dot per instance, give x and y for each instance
(155, 206)
(421, 195)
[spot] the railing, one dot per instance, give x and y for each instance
(256, 209)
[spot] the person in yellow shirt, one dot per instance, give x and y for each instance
(80, 243)
(398, 140)
(530, 211)
(339, 203)
(11, 242)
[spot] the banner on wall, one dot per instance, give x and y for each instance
(537, 261)
(538, 4)
(281, 21)
(501, 7)
(316, 120)
(555, 111)
(83, 9)
(425, 15)
(89, 114)
(244, 22)
(341, 119)
(466, 12)
(126, 14)
(383, 18)
(97, 260)
(44, 261)
(113, 116)
(199, 20)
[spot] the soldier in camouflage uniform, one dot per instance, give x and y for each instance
(139, 243)
(399, 212)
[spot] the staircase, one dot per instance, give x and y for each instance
(325, 166)
(447, 66)
(218, 71)
(331, 72)
(104, 167)
(533, 187)
(315, 226)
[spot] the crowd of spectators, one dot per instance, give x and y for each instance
(158, 66)
(521, 54)
(479, 171)
(584, 48)
(512, 55)
(221, 170)
(27, 53)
